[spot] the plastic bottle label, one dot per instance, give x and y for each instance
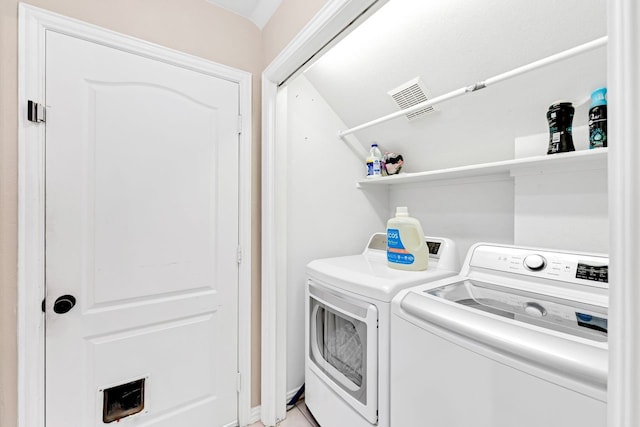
(598, 127)
(374, 167)
(396, 251)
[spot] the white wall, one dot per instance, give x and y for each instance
(454, 44)
(327, 215)
(561, 207)
(467, 211)
(563, 210)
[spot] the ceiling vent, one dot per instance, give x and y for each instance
(409, 94)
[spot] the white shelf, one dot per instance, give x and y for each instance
(585, 159)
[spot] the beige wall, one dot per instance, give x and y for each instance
(8, 214)
(289, 19)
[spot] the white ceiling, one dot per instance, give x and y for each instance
(257, 11)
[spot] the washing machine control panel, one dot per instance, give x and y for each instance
(581, 269)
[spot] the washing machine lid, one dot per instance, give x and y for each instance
(368, 274)
(567, 316)
(488, 321)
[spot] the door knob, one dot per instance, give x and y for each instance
(64, 303)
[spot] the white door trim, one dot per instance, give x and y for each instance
(318, 34)
(33, 23)
(623, 75)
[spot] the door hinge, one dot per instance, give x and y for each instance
(239, 254)
(239, 125)
(36, 113)
(238, 382)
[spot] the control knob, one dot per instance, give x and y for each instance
(535, 262)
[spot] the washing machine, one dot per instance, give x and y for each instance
(347, 315)
(518, 338)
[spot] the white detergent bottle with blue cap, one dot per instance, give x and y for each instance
(406, 247)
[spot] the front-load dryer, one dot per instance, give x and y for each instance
(347, 322)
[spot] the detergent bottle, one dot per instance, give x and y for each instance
(406, 246)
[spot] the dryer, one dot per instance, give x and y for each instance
(347, 316)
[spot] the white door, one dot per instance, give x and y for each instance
(142, 230)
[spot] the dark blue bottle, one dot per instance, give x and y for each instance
(560, 117)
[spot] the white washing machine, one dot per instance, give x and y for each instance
(519, 338)
(347, 314)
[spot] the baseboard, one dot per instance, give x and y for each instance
(254, 414)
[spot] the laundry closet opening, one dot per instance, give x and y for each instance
(425, 50)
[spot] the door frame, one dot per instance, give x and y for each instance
(327, 27)
(33, 24)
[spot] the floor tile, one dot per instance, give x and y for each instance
(305, 411)
(295, 418)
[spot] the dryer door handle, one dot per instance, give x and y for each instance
(360, 310)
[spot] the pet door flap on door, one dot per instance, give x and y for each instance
(123, 400)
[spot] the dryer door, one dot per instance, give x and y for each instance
(343, 346)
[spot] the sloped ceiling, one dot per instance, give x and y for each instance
(455, 43)
(257, 11)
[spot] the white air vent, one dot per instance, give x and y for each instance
(409, 94)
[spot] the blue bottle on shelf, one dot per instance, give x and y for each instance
(598, 118)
